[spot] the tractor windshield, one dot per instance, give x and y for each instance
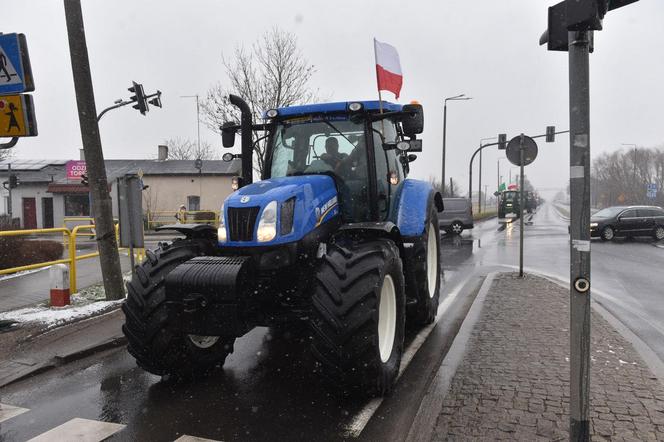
(335, 147)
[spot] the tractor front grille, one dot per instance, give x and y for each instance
(242, 222)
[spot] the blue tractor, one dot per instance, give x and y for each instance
(334, 237)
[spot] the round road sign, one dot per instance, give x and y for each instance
(514, 150)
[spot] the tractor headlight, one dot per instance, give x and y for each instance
(267, 226)
(221, 231)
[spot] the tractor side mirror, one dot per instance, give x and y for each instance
(412, 157)
(413, 124)
(228, 130)
(496, 193)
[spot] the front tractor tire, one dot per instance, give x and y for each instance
(152, 337)
(358, 315)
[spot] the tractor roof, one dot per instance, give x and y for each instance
(331, 108)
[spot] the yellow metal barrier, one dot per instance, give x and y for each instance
(71, 236)
(62, 230)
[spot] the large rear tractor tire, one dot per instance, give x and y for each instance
(152, 338)
(426, 273)
(358, 315)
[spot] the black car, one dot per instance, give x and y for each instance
(628, 221)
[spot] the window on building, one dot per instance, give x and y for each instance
(193, 203)
(77, 205)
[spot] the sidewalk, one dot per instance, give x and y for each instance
(512, 381)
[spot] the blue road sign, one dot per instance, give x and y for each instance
(652, 194)
(15, 70)
(651, 187)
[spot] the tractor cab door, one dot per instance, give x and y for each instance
(389, 171)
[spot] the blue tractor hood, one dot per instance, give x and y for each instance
(316, 202)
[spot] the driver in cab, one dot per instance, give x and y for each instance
(332, 156)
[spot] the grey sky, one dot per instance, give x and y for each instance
(487, 49)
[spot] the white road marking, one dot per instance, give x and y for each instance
(79, 430)
(186, 438)
(355, 427)
(9, 411)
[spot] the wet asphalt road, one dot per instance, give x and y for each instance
(268, 389)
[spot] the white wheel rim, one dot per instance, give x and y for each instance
(608, 233)
(432, 261)
(203, 341)
(456, 228)
(387, 318)
(659, 233)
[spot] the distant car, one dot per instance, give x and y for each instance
(457, 215)
(628, 221)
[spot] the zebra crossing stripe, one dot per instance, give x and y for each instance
(79, 430)
(186, 438)
(9, 411)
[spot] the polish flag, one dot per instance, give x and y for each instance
(388, 68)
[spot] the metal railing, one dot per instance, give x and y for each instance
(160, 218)
(71, 237)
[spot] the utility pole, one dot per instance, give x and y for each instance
(109, 257)
(521, 204)
(9, 209)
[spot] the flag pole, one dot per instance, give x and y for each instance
(380, 96)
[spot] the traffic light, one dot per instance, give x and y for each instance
(550, 134)
(156, 101)
(139, 98)
(84, 179)
(502, 141)
(13, 181)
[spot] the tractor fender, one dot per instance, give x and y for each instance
(191, 230)
(413, 204)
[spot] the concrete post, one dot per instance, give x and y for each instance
(59, 278)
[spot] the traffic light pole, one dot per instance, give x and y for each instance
(109, 257)
(579, 105)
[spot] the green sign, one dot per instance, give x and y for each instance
(502, 187)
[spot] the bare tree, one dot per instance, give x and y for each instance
(452, 189)
(186, 149)
(272, 73)
(622, 177)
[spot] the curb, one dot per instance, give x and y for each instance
(16, 370)
(422, 427)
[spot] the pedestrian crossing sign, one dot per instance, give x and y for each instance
(15, 70)
(17, 116)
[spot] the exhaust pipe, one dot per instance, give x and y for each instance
(247, 138)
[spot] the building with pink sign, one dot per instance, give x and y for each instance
(50, 192)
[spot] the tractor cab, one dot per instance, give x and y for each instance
(366, 153)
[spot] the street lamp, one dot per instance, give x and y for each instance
(455, 98)
(198, 120)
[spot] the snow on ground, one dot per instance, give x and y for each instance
(89, 302)
(55, 316)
